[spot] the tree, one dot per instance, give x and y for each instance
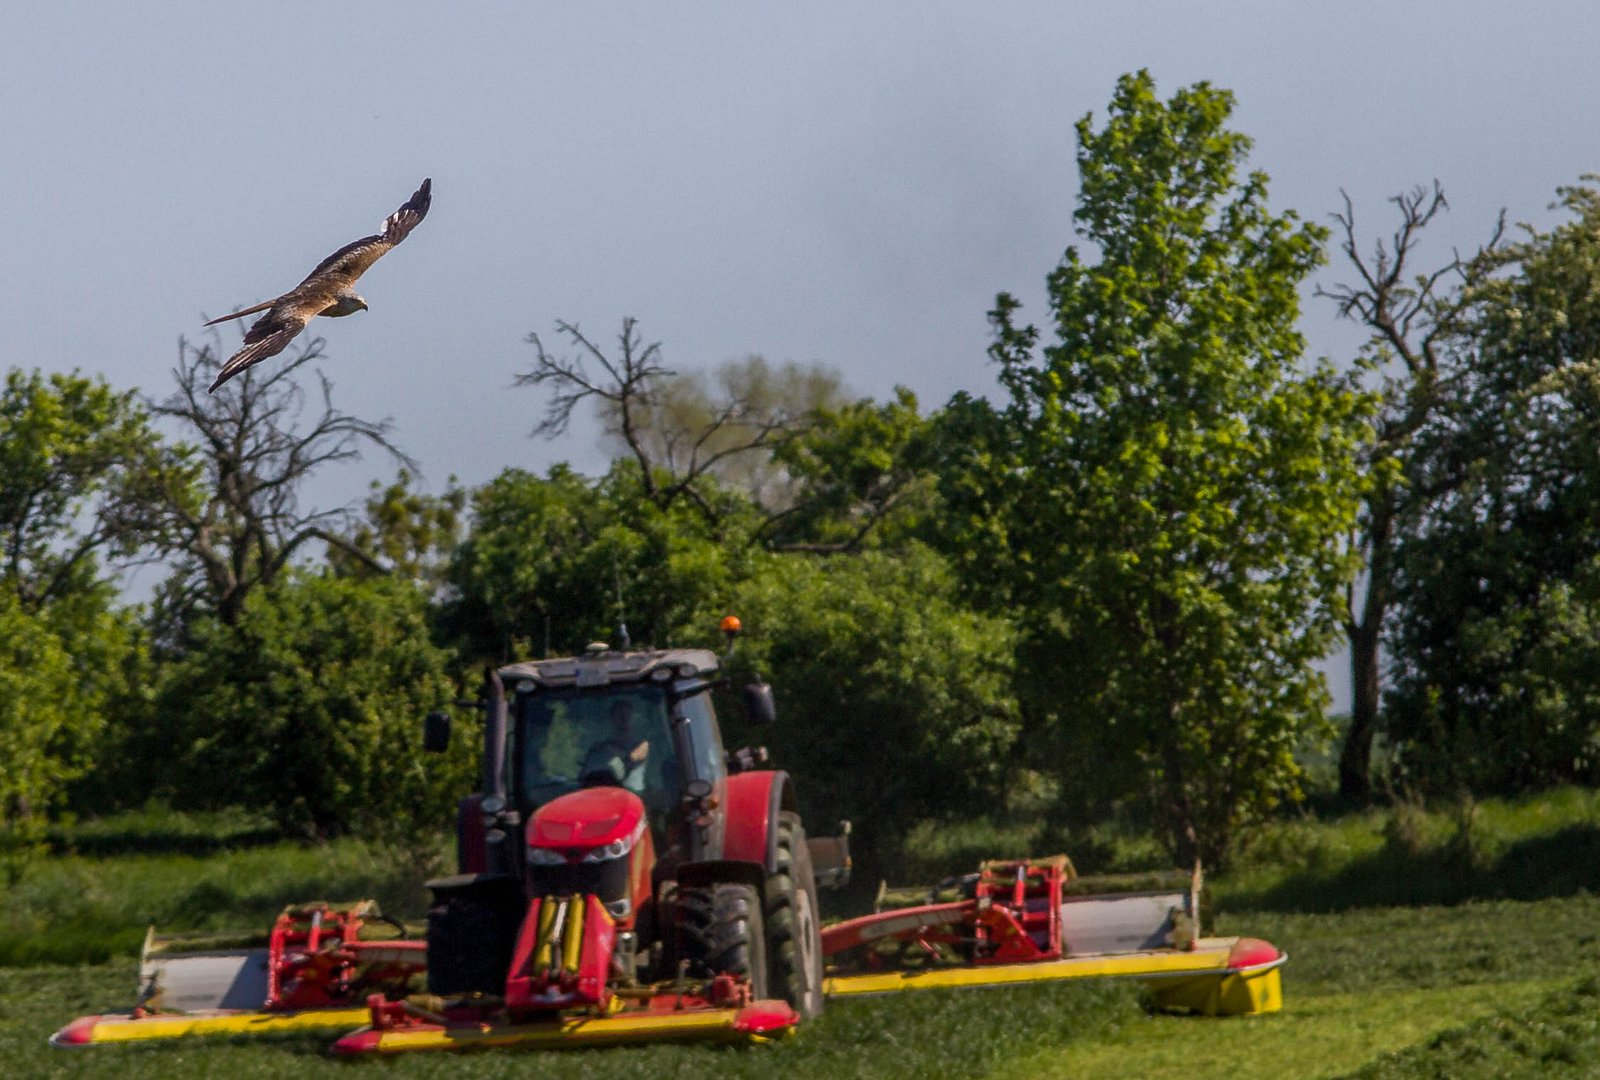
(683, 430)
(860, 473)
(243, 525)
(895, 701)
(78, 462)
(552, 563)
(405, 532)
(309, 707)
(1497, 584)
(1415, 351)
(43, 711)
(1185, 479)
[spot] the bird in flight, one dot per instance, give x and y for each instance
(327, 290)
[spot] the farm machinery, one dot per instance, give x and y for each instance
(623, 878)
(1035, 920)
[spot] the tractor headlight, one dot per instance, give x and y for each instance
(543, 856)
(614, 850)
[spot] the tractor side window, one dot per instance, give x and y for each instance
(703, 738)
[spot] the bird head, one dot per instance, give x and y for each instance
(344, 304)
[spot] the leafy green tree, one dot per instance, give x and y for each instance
(859, 474)
(895, 701)
(405, 532)
(78, 465)
(1185, 481)
(1497, 586)
(552, 563)
(309, 707)
(35, 715)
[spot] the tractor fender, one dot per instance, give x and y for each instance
(754, 800)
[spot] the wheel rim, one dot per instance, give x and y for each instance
(809, 947)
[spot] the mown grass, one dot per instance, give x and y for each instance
(1556, 1036)
(919, 1036)
(1452, 941)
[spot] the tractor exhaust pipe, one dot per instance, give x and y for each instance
(494, 735)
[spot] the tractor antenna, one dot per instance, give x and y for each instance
(622, 624)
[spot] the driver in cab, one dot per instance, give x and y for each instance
(619, 757)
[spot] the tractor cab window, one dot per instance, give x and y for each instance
(566, 740)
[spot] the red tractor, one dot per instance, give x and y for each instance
(618, 862)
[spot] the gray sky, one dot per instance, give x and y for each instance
(850, 183)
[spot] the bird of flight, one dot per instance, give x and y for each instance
(327, 290)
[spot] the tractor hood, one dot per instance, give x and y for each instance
(587, 819)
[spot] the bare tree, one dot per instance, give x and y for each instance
(677, 429)
(241, 522)
(1414, 319)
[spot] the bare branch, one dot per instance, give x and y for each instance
(245, 523)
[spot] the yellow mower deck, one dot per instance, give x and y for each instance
(713, 1025)
(126, 1027)
(1206, 979)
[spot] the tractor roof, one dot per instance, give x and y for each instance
(600, 668)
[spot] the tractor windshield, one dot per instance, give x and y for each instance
(567, 739)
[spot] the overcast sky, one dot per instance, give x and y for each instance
(846, 183)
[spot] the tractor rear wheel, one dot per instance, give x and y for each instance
(794, 943)
(720, 932)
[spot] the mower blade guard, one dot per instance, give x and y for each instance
(174, 976)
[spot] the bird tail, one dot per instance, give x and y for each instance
(242, 314)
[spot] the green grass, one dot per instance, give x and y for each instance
(1422, 943)
(1557, 1036)
(1525, 849)
(178, 872)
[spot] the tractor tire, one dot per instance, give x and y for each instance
(720, 932)
(470, 942)
(794, 942)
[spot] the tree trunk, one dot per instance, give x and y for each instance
(1355, 759)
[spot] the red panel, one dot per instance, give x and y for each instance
(747, 825)
(78, 1033)
(519, 979)
(1251, 952)
(599, 942)
(765, 1018)
(587, 819)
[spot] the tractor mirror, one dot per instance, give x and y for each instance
(436, 732)
(758, 704)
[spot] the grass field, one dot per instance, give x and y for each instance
(1461, 943)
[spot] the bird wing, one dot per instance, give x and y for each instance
(341, 269)
(266, 337)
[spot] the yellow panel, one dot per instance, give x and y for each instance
(1211, 961)
(130, 1029)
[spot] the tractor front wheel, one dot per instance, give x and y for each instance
(720, 932)
(794, 942)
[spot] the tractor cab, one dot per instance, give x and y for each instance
(640, 721)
